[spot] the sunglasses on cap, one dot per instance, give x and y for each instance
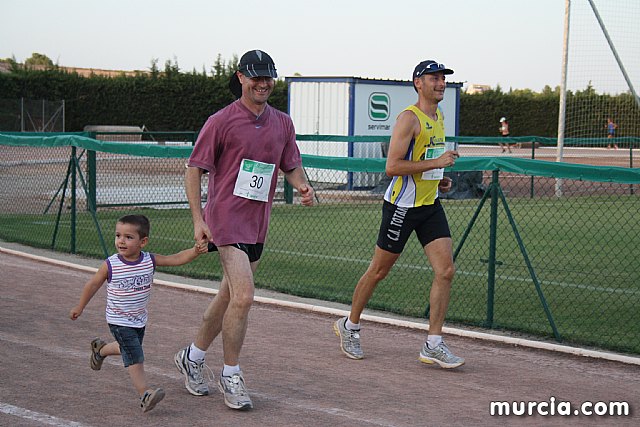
(429, 67)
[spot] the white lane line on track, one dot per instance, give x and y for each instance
(525, 279)
(45, 419)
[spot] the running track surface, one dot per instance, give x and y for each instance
(294, 369)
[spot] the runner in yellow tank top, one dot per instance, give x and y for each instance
(415, 161)
(414, 190)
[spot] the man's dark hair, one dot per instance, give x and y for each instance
(140, 221)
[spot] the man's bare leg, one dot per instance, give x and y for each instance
(440, 255)
(378, 269)
(238, 272)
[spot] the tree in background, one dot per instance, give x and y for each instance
(39, 60)
(224, 69)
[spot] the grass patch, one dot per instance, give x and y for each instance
(583, 250)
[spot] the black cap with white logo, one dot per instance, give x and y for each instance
(255, 63)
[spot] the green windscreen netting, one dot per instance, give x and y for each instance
(544, 249)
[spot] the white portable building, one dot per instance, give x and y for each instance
(353, 106)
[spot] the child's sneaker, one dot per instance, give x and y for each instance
(440, 355)
(96, 360)
(150, 399)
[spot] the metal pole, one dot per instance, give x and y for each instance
(532, 272)
(73, 200)
(493, 233)
(563, 92)
(615, 52)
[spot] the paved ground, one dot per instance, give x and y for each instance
(294, 369)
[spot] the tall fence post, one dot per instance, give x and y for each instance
(92, 183)
(631, 144)
(73, 200)
(533, 156)
(493, 227)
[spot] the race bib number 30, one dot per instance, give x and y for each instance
(254, 180)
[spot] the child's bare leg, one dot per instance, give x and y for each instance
(136, 372)
(111, 349)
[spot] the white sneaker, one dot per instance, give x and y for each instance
(349, 340)
(194, 379)
(235, 392)
(440, 355)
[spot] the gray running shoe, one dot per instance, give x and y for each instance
(349, 340)
(150, 399)
(193, 376)
(440, 355)
(96, 360)
(235, 392)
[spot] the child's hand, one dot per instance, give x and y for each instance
(201, 247)
(75, 313)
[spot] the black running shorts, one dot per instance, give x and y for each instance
(429, 222)
(253, 251)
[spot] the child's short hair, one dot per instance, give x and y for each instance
(140, 221)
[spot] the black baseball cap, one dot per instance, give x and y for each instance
(254, 63)
(429, 66)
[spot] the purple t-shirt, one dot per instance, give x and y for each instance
(230, 135)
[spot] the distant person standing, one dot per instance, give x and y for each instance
(504, 131)
(611, 132)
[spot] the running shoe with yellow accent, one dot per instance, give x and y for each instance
(349, 340)
(440, 355)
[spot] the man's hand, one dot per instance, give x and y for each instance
(445, 184)
(201, 233)
(448, 158)
(306, 195)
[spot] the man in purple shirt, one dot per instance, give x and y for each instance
(242, 147)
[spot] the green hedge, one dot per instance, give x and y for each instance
(530, 113)
(527, 113)
(175, 101)
(160, 101)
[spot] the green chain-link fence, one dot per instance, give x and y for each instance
(542, 248)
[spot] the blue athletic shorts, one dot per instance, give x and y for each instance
(130, 341)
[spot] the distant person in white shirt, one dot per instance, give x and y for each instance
(504, 131)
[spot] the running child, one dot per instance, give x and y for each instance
(129, 276)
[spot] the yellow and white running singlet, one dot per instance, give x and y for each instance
(411, 191)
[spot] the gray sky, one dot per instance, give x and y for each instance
(514, 43)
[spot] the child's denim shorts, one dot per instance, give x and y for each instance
(130, 340)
